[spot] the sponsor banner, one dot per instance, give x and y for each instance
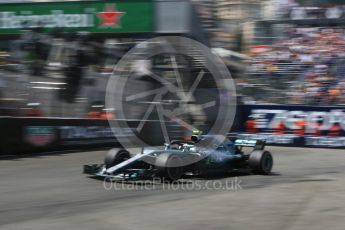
(93, 16)
(34, 135)
(316, 12)
(39, 136)
(297, 141)
(308, 126)
(298, 126)
(86, 135)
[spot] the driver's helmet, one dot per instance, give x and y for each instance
(196, 136)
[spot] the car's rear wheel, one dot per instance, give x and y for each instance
(169, 167)
(115, 156)
(261, 162)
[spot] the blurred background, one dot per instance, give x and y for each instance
(286, 58)
(55, 58)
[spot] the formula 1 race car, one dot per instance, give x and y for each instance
(181, 158)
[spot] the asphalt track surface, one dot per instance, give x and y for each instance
(306, 191)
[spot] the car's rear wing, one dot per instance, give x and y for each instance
(256, 144)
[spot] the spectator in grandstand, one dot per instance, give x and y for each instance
(314, 55)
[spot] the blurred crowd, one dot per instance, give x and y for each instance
(312, 58)
(306, 67)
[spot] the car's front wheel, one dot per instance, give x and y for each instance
(115, 156)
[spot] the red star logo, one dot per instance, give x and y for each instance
(110, 16)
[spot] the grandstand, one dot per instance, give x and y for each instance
(298, 60)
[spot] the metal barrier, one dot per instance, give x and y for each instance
(284, 125)
(33, 135)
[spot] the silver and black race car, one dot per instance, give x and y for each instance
(201, 155)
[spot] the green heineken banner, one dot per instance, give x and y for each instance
(131, 16)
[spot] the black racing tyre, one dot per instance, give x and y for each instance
(169, 166)
(261, 162)
(115, 156)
